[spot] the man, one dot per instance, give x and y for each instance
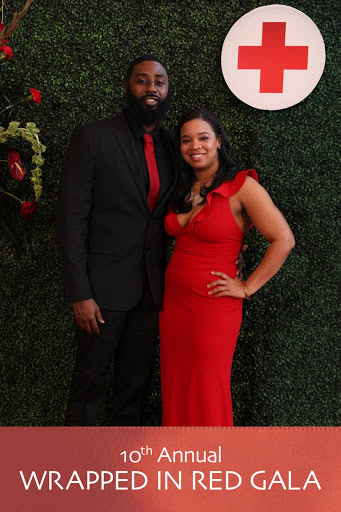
(113, 197)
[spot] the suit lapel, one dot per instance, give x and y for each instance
(126, 143)
(172, 180)
(166, 197)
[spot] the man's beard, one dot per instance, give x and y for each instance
(147, 115)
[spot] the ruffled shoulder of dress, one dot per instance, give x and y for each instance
(229, 188)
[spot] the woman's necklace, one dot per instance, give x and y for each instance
(195, 199)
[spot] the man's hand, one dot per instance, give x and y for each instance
(87, 313)
(240, 263)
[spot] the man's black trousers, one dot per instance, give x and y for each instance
(128, 338)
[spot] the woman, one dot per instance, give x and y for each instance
(213, 208)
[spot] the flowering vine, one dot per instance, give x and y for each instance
(29, 133)
(4, 34)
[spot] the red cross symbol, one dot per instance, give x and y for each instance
(273, 57)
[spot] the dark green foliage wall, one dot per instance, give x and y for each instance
(286, 364)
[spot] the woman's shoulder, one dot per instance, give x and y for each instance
(243, 176)
(229, 188)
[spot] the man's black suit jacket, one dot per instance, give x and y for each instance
(110, 241)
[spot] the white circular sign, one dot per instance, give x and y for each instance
(273, 57)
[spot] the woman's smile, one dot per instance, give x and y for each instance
(199, 145)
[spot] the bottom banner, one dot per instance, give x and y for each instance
(170, 469)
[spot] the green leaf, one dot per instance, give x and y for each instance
(28, 136)
(32, 127)
(38, 159)
(13, 125)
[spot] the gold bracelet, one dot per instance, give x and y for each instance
(246, 294)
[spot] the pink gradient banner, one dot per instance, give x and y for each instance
(103, 469)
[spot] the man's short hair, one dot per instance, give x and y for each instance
(142, 59)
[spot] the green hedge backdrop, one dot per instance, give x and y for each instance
(76, 52)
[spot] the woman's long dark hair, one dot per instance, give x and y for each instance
(227, 167)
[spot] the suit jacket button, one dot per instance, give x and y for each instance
(148, 251)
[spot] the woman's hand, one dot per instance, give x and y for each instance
(226, 286)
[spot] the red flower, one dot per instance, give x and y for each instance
(28, 209)
(7, 51)
(36, 96)
(2, 27)
(15, 166)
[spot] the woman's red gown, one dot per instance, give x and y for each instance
(198, 332)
